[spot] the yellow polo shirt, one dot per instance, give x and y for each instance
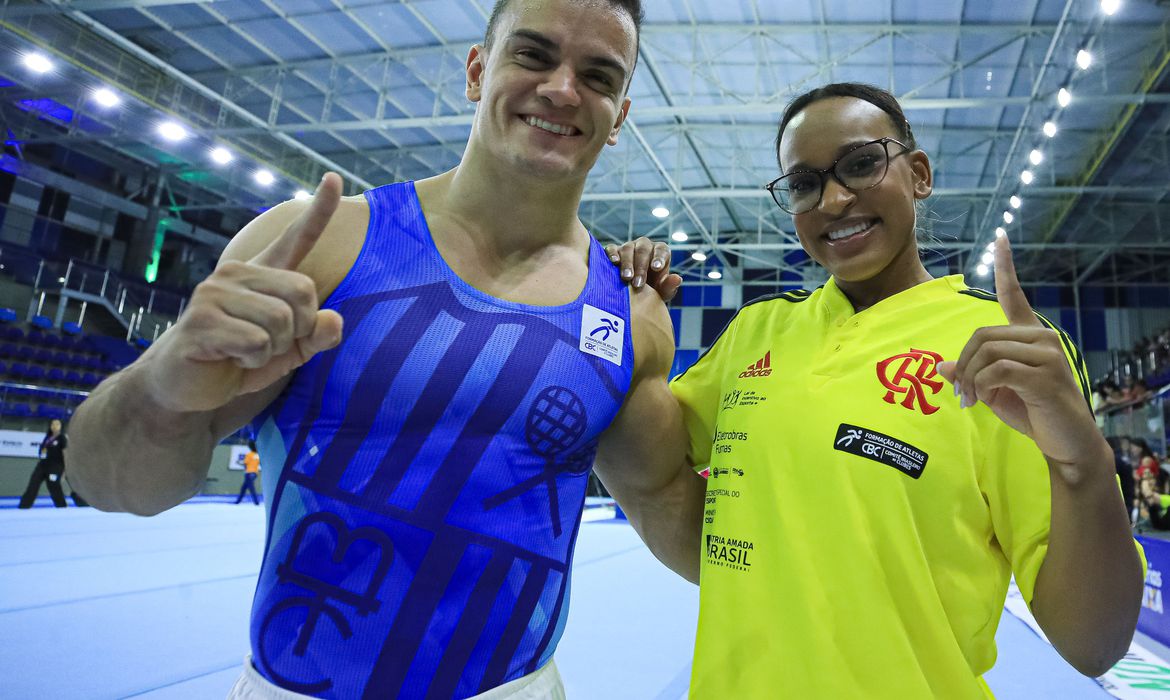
(860, 529)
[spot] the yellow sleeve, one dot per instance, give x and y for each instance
(699, 391)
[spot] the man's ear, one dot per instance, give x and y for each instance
(476, 58)
(623, 112)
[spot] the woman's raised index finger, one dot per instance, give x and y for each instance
(290, 248)
(1007, 287)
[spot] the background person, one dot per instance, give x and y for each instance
(50, 468)
(251, 471)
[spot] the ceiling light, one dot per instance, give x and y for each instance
(172, 131)
(1015, 202)
(302, 194)
(1110, 7)
(988, 258)
(1027, 177)
(1000, 232)
(1008, 218)
(1063, 97)
(1084, 59)
(221, 155)
(37, 62)
(680, 236)
(1050, 129)
(1036, 157)
(981, 270)
(660, 212)
(264, 177)
(715, 274)
(698, 256)
(991, 246)
(106, 97)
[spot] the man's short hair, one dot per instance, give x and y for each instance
(631, 7)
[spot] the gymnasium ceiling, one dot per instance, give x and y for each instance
(374, 90)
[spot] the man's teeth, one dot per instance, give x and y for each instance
(549, 126)
(847, 232)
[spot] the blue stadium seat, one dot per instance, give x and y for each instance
(13, 333)
(77, 360)
(18, 369)
(21, 409)
(7, 315)
(34, 373)
(72, 377)
(42, 322)
(36, 337)
(54, 374)
(7, 349)
(24, 352)
(89, 379)
(51, 341)
(71, 328)
(44, 411)
(142, 343)
(43, 356)
(60, 358)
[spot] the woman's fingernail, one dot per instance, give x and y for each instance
(958, 390)
(627, 272)
(657, 264)
(638, 281)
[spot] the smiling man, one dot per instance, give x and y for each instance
(426, 461)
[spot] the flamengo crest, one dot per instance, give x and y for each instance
(911, 374)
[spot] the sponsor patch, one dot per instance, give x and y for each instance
(601, 334)
(875, 446)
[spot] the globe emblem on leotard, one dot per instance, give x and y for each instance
(556, 421)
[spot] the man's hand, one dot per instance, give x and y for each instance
(645, 262)
(1021, 372)
(250, 322)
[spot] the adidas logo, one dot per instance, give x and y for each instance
(761, 368)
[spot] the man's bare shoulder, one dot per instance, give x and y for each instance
(332, 256)
(652, 331)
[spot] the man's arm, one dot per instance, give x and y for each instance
(143, 440)
(642, 455)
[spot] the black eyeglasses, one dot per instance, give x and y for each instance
(860, 168)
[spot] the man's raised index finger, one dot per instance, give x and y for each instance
(1007, 287)
(291, 247)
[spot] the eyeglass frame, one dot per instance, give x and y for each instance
(831, 171)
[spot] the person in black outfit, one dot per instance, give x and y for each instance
(1124, 472)
(50, 469)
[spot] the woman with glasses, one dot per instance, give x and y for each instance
(884, 452)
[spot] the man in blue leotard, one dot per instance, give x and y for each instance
(427, 459)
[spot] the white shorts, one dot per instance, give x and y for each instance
(542, 684)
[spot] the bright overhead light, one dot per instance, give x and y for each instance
(680, 236)
(1027, 177)
(715, 274)
(172, 131)
(221, 155)
(302, 194)
(1084, 59)
(1008, 218)
(1050, 129)
(37, 62)
(264, 177)
(106, 97)
(1036, 157)
(660, 212)
(991, 246)
(1015, 202)
(61, 280)
(698, 256)
(1063, 97)
(988, 258)
(1110, 7)
(981, 270)
(1000, 232)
